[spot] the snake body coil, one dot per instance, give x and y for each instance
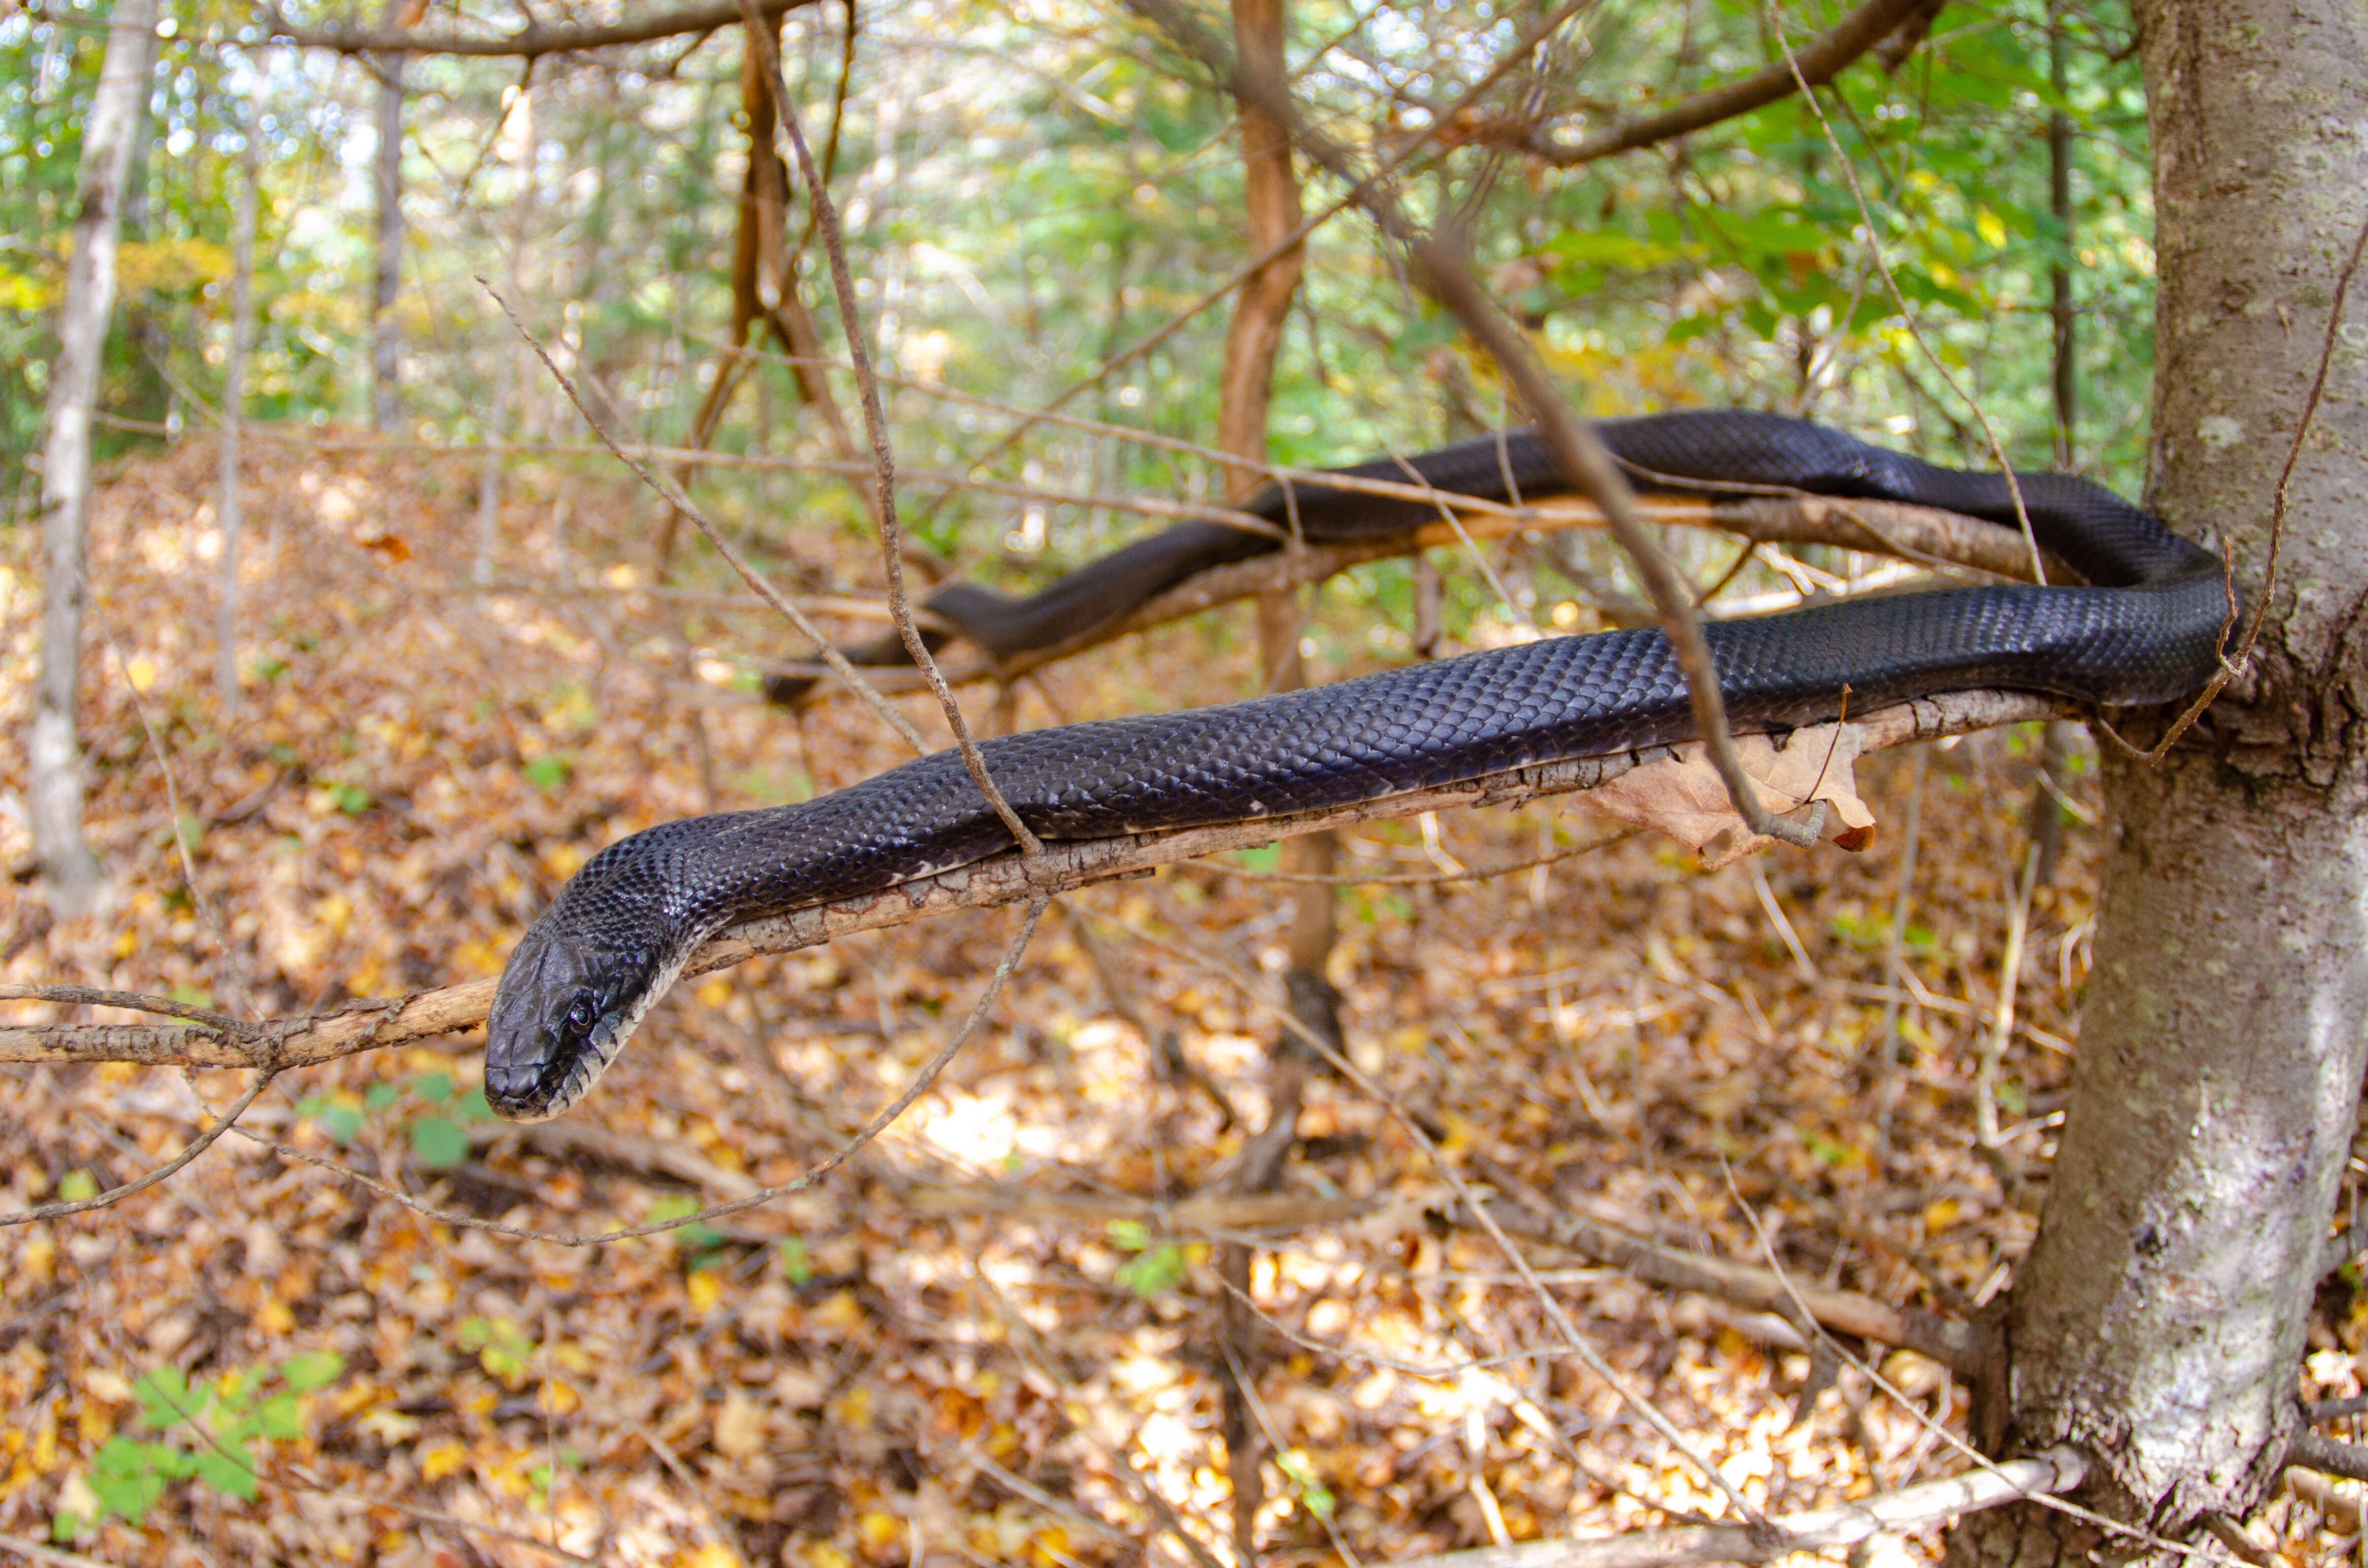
(2145, 630)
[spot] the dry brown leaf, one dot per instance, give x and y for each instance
(1684, 796)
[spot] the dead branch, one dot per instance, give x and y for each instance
(1819, 61)
(529, 42)
(876, 424)
(1914, 533)
(2058, 1471)
(2327, 1456)
(1203, 1213)
(372, 1024)
(1954, 1345)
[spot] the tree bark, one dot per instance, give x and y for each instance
(233, 419)
(2159, 1320)
(508, 384)
(386, 337)
(1245, 382)
(54, 755)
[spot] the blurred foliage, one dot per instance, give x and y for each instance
(1030, 188)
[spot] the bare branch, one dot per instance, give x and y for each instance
(724, 547)
(1588, 463)
(2327, 1456)
(531, 41)
(927, 1075)
(1818, 62)
(1913, 533)
(2059, 1470)
(876, 424)
(371, 1025)
(1953, 1344)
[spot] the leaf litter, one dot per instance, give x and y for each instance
(993, 1337)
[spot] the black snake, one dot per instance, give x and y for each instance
(2146, 629)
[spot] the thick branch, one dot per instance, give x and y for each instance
(531, 41)
(2327, 1456)
(1913, 533)
(372, 1024)
(2056, 1471)
(1954, 1345)
(1820, 61)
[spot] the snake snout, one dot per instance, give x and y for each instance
(545, 1036)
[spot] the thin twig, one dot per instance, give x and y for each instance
(1891, 282)
(2327, 1456)
(876, 424)
(1451, 115)
(1987, 1144)
(889, 1113)
(2230, 664)
(672, 493)
(1574, 1341)
(1898, 1513)
(372, 1024)
(1588, 465)
(34, 1551)
(171, 1167)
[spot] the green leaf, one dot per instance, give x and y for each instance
(279, 1417)
(473, 1106)
(343, 1123)
(223, 1473)
(377, 1096)
(128, 1477)
(547, 773)
(672, 1205)
(1128, 1236)
(434, 1088)
(439, 1142)
(353, 799)
(312, 1369)
(797, 1267)
(1154, 1273)
(1262, 858)
(165, 1397)
(76, 1186)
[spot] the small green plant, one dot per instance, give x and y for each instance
(220, 1422)
(548, 772)
(796, 1264)
(500, 1346)
(1155, 1270)
(1301, 1471)
(439, 1139)
(701, 1242)
(1872, 933)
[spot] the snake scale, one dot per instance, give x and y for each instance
(2145, 628)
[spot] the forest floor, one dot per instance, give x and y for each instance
(992, 1338)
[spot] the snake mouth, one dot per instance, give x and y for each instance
(563, 1012)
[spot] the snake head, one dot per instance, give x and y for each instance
(564, 1008)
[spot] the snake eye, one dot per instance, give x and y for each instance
(582, 1013)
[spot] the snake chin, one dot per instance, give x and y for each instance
(564, 1010)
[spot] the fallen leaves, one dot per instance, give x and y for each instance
(993, 1335)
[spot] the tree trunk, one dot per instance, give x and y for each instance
(386, 338)
(2159, 1319)
(233, 419)
(55, 753)
(1262, 311)
(508, 384)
